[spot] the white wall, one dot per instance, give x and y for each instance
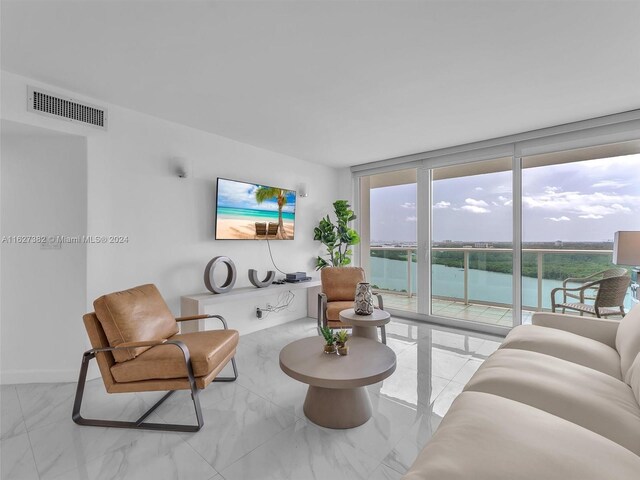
(44, 191)
(170, 221)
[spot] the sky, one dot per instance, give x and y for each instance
(579, 201)
(242, 195)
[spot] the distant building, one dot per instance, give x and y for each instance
(558, 243)
(482, 245)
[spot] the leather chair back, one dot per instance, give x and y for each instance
(98, 339)
(135, 315)
(339, 283)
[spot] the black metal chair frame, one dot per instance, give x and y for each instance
(140, 422)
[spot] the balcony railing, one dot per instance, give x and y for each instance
(464, 295)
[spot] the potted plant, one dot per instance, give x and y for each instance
(338, 238)
(341, 341)
(329, 346)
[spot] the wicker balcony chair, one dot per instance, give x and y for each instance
(590, 294)
(609, 298)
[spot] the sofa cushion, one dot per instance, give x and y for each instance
(207, 349)
(486, 437)
(135, 315)
(339, 283)
(628, 339)
(565, 345)
(579, 394)
(633, 377)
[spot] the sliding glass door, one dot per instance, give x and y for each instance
(471, 242)
(572, 204)
(481, 239)
(389, 234)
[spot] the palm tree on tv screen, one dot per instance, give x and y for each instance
(267, 193)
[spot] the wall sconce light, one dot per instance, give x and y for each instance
(181, 167)
(303, 192)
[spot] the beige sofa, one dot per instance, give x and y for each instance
(558, 400)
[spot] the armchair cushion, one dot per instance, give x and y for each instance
(334, 309)
(207, 350)
(628, 339)
(339, 283)
(565, 345)
(135, 315)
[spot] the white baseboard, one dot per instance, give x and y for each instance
(10, 377)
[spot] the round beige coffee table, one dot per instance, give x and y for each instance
(337, 396)
(366, 325)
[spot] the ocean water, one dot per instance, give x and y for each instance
(449, 282)
(248, 213)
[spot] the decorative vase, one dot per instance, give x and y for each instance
(363, 304)
(343, 350)
(329, 349)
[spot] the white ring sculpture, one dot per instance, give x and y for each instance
(253, 278)
(231, 275)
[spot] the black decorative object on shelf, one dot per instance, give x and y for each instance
(231, 275)
(255, 281)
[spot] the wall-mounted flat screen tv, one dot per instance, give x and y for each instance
(249, 211)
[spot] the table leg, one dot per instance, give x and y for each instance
(366, 332)
(337, 407)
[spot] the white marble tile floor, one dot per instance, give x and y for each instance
(254, 428)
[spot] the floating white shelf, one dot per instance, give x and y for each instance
(196, 304)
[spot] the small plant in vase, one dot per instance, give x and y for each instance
(341, 341)
(329, 346)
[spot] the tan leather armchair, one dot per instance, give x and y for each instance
(338, 293)
(138, 348)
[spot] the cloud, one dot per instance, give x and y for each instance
(479, 189)
(442, 204)
(613, 184)
(475, 209)
(411, 219)
(581, 204)
(242, 195)
(591, 216)
(507, 202)
(558, 219)
(476, 203)
(620, 208)
(409, 205)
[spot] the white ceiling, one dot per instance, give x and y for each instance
(338, 82)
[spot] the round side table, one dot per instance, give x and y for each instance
(337, 396)
(366, 325)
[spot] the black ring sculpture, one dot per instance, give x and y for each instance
(253, 278)
(231, 275)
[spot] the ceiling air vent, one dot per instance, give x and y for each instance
(52, 105)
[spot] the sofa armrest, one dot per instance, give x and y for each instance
(599, 329)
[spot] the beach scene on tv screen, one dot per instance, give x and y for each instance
(248, 211)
